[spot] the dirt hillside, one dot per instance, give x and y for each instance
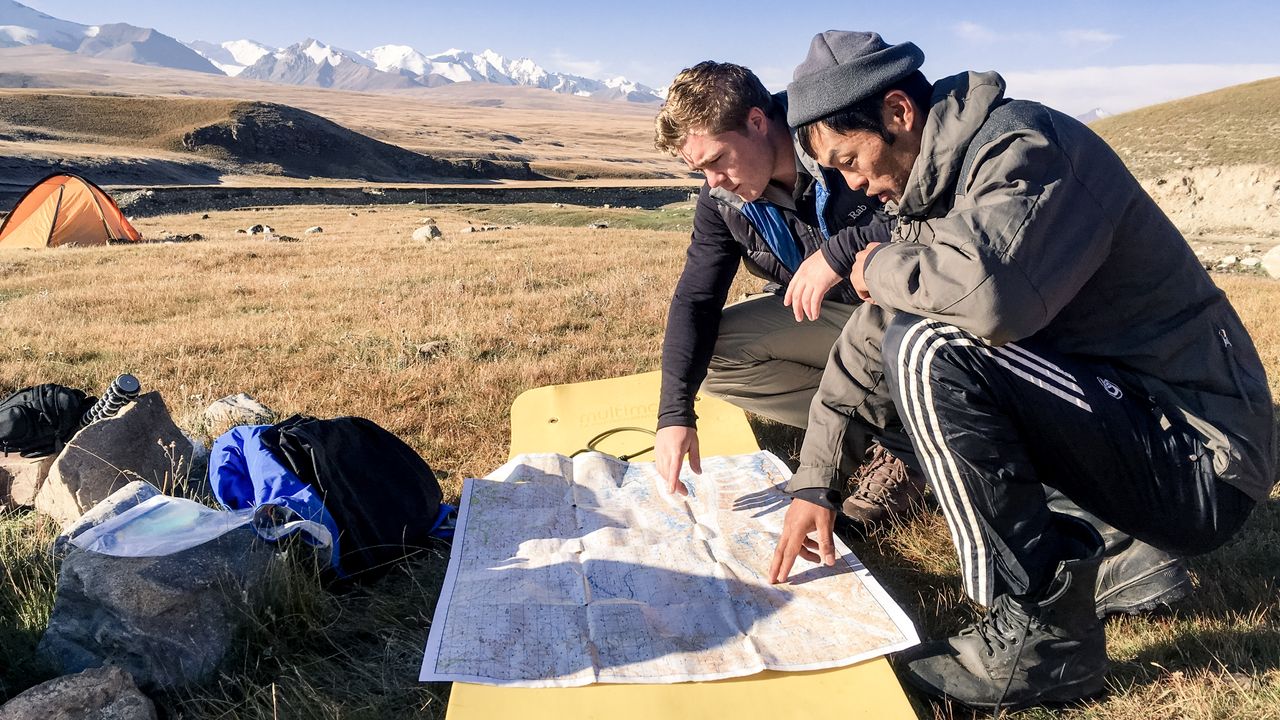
(1212, 161)
(231, 135)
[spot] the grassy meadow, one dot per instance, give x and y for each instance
(339, 323)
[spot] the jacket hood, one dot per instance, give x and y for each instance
(959, 107)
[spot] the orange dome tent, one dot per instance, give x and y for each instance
(65, 209)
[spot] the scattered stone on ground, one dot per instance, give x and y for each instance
(480, 228)
(204, 216)
(1228, 261)
(242, 231)
(427, 232)
(1271, 262)
(21, 478)
(193, 237)
(233, 410)
(101, 693)
(353, 214)
(281, 238)
(1250, 263)
(607, 206)
(558, 205)
(167, 620)
(314, 230)
(117, 502)
(260, 229)
(598, 225)
(140, 443)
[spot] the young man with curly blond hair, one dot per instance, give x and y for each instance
(767, 206)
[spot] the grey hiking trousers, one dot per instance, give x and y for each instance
(767, 363)
(852, 406)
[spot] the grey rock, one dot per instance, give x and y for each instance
(353, 214)
(260, 229)
(117, 502)
(599, 225)
(281, 238)
(139, 443)
(1271, 262)
(168, 620)
(102, 693)
(1228, 261)
(204, 216)
(242, 231)
(427, 232)
(1251, 262)
(21, 478)
(314, 230)
(238, 409)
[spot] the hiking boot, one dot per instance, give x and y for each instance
(886, 489)
(1135, 577)
(1025, 651)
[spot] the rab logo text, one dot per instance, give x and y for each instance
(1112, 389)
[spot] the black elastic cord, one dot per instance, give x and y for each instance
(591, 444)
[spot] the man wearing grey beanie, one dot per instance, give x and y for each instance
(1059, 358)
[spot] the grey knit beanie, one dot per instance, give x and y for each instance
(843, 68)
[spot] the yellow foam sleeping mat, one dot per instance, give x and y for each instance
(564, 419)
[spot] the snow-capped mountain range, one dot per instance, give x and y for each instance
(1094, 114)
(309, 62)
(21, 25)
(312, 62)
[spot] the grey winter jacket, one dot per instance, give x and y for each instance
(1019, 221)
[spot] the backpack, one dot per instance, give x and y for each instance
(381, 497)
(38, 421)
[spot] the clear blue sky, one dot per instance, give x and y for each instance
(1091, 52)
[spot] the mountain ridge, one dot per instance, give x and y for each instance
(308, 63)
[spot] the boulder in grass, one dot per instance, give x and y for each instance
(21, 478)
(600, 225)
(314, 230)
(427, 232)
(1271, 262)
(238, 409)
(102, 693)
(140, 443)
(260, 229)
(169, 620)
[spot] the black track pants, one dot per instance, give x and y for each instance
(990, 425)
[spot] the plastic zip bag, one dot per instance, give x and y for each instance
(164, 525)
